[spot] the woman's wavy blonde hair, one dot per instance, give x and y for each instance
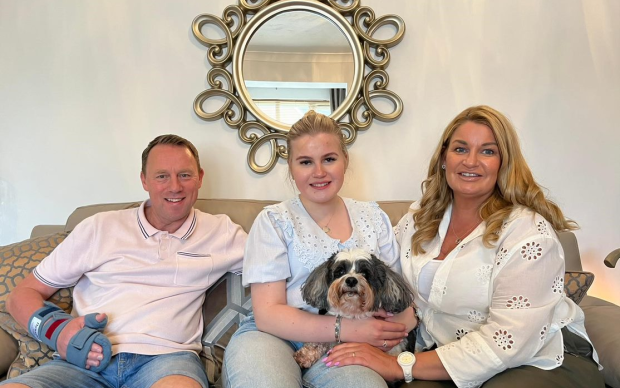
(515, 184)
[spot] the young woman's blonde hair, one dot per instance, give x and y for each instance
(314, 123)
(515, 183)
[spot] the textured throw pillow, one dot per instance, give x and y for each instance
(577, 283)
(17, 261)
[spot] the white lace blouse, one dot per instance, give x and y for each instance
(490, 309)
(286, 243)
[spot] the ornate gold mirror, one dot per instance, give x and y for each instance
(290, 56)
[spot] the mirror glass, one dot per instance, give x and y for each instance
(297, 61)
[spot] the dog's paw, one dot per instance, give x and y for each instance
(303, 359)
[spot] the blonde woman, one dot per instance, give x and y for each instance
(286, 242)
(482, 252)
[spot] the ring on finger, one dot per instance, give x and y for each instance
(385, 343)
(353, 353)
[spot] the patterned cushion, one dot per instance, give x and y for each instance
(17, 261)
(576, 284)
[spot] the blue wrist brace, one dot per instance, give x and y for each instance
(47, 322)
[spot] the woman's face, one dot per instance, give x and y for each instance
(472, 162)
(317, 165)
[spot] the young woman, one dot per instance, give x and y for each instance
(481, 250)
(286, 242)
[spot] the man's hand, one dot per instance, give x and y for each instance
(96, 351)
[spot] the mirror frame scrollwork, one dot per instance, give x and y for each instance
(238, 23)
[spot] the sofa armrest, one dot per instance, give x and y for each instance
(43, 230)
(612, 258)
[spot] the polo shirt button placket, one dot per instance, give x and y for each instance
(164, 241)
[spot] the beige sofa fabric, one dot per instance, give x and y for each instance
(8, 353)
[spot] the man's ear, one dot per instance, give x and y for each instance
(200, 175)
(143, 180)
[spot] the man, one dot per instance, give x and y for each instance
(146, 271)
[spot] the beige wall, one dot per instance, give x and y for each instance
(84, 85)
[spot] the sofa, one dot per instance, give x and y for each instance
(227, 302)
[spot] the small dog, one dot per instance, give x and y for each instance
(354, 284)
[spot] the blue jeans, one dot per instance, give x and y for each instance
(257, 359)
(125, 370)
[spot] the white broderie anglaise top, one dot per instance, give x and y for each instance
(285, 243)
(490, 309)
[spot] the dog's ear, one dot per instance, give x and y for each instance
(396, 294)
(315, 288)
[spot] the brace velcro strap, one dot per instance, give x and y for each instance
(47, 322)
(81, 343)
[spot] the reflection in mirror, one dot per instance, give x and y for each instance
(295, 62)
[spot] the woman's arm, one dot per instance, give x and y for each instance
(274, 316)
(428, 366)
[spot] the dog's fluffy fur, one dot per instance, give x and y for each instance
(354, 284)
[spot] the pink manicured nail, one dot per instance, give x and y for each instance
(325, 359)
(329, 351)
(329, 363)
(336, 364)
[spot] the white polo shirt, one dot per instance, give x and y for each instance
(151, 283)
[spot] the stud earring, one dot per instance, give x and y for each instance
(443, 166)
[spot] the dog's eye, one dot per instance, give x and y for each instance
(365, 273)
(338, 273)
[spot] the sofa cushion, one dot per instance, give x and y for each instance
(8, 352)
(577, 283)
(600, 316)
(16, 261)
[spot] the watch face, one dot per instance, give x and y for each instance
(406, 358)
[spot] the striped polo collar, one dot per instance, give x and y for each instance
(149, 230)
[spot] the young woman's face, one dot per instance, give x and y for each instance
(317, 165)
(472, 161)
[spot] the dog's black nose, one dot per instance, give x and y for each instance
(351, 281)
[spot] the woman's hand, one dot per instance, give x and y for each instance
(376, 332)
(366, 355)
(407, 318)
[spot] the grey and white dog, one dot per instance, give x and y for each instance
(353, 284)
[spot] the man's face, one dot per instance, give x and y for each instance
(172, 180)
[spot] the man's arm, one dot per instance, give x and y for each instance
(28, 296)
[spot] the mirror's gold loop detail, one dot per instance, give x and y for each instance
(220, 50)
(276, 151)
(226, 112)
(375, 85)
(352, 101)
(253, 6)
(366, 115)
(348, 132)
(387, 95)
(380, 78)
(366, 16)
(214, 74)
(345, 7)
(246, 136)
(234, 15)
(380, 59)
